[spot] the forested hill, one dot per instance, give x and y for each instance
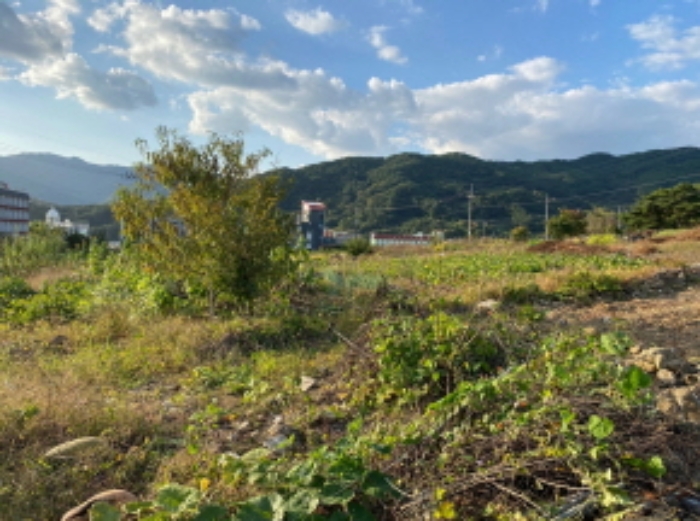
(413, 192)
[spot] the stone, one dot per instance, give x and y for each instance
(666, 403)
(643, 363)
(635, 350)
(688, 399)
(307, 383)
(665, 377)
(114, 497)
(281, 436)
(666, 358)
(680, 403)
(488, 306)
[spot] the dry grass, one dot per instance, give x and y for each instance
(48, 275)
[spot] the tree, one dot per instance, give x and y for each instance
(199, 216)
(599, 220)
(666, 208)
(569, 223)
(520, 234)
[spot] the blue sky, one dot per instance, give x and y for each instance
(312, 81)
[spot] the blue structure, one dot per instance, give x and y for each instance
(312, 223)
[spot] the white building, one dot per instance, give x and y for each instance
(53, 220)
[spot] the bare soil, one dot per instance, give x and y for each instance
(665, 318)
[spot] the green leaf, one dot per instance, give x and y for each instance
(359, 512)
(303, 501)
(655, 467)
(212, 513)
(632, 380)
(104, 512)
(378, 485)
(335, 494)
(600, 428)
(614, 343)
(257, 509)
(175, 498)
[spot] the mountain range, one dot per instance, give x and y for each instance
(405, 192)
(62, 180)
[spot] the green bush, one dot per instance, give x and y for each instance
(13, 288)
(584, 285)
(358, 246)
(428, 356)
(520, 234)
(21, 255)
(58, 302)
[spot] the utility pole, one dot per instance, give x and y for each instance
(619, 219)
(470, 196)
(546, 217)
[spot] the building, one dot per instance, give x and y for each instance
(53, 220)
(392, 239)
(14, 212)
(312, 223)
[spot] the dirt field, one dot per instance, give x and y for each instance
(656, 318)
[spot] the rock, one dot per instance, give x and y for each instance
(681, 403)
(635, 350)
(644, 364)
(307, 383)
(113, 497)
(282, 436)
(666, 358)
(688, 399)
(488, 306)
(666, 403)
(665, 377)
(658, 358)
(75, 447)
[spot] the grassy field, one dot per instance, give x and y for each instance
(378, 387)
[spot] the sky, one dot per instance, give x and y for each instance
(319, 80)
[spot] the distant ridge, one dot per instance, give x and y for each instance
(407, 192)
(62, 180)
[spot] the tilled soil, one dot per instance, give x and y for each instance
(669, 319)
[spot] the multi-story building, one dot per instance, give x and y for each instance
(14, 211)
(312, 223)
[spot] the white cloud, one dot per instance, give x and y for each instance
(314, 22)
(5, 74)
(411, 7)
(494, 54)
(522, 112)
(33, 37)
(669, 48)
(542, 5)
(73, 78)
(519, 114)
(390, 53)
(192, 46)
(595, 3)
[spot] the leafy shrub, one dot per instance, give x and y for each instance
(57, 302)
(522, 294)
(430, 355)
(569, 223)
(520, 234)
(584, 285)
(21, 255)
(358, 246)
(13, 288)
(601, 239)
